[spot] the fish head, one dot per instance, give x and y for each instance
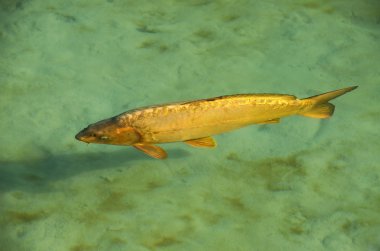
(109, 131)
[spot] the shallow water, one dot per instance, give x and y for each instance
(302, 184)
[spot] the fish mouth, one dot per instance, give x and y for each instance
(81, 136)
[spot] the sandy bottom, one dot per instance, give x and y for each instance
(303, 184)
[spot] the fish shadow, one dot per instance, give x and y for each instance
(37, 175)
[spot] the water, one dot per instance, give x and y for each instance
(303, 184)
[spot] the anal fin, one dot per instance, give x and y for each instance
(271, 121)
(201, 142)
(151, 150)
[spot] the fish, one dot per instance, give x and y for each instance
(195, 122)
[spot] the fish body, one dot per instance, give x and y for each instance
(194, 122)
(202, 118)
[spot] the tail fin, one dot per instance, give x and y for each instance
(322, 109)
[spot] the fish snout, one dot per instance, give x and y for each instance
(78, 136)
(82, 136)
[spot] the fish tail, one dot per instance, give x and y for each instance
(321, 108)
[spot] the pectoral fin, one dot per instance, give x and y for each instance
(201, 142)
(151, 150)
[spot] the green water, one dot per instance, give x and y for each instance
(302, 184)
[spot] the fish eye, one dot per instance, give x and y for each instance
(103, 137)
(94, 135)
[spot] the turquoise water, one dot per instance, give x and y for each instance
(302, 184)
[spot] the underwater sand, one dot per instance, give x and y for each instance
(303, 184)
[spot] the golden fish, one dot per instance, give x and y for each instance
(194, 122)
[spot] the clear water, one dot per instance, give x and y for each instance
(303, 184)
